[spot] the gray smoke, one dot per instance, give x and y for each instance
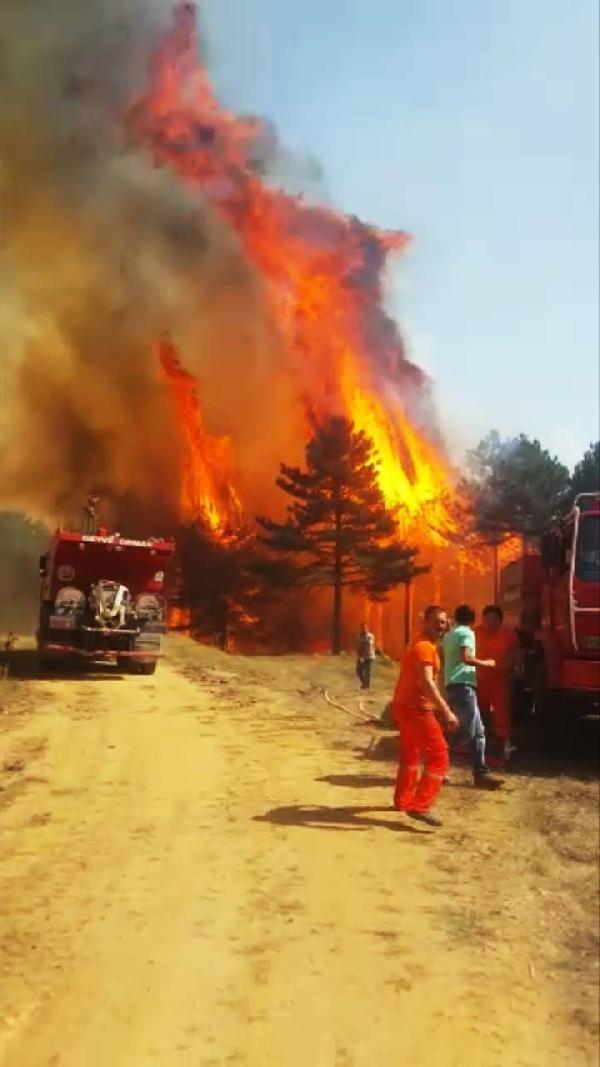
(101, 255)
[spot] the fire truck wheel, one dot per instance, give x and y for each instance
(549, 723)
(147, 668)
(42, 665)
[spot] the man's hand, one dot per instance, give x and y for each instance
(491, 663)
(451, 722)
(449, 719)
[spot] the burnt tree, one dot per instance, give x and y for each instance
(338, 528)
(216, 585)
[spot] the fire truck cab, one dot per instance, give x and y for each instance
(553, 597)
(103, 598)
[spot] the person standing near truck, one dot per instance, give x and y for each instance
(494, 687)
(460, 678)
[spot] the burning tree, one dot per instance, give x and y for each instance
(216, 584)
(339, 526)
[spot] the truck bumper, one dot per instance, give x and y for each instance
(580, 675)
(49, 649)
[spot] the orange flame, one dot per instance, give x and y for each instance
(206, 476)
(324, 282)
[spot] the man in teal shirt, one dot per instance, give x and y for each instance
(460, 683)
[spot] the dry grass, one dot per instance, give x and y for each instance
(565, 868)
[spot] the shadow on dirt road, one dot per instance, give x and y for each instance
(22, 665)
(321, 817)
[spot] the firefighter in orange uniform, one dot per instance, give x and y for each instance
(418, 708)
(494, 687)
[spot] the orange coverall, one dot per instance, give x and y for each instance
(421, 736)
(494, 686)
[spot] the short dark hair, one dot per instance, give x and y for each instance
(464, 615)
(433, 609)
(493, 609)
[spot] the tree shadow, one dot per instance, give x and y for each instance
(19, 663)
(573, 764)
(577, 755)
(384, 749)
(357, 781)
(320, 817)
(573, 752)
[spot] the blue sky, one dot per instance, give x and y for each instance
(473, 125)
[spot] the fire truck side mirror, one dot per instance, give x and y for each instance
(43, 565)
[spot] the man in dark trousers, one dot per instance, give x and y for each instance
(365, 654)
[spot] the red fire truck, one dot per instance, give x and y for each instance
(103, 598)
(552, 598)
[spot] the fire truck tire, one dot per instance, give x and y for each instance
(550, 723)
(42, 664)
(147, 668)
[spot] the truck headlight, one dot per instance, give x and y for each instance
(69, 601)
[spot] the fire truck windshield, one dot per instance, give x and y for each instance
(587, 559)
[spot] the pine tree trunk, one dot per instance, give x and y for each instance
(407, 612)
(336, 637)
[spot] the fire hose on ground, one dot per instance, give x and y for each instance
(341, 707)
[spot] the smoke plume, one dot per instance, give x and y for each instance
(103, 254)
(138, 209)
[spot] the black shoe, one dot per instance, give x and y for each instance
(485, 780)
(424, 816)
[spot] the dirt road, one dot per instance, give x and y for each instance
(202, 868)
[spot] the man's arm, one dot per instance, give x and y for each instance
(430, 685)
(466, 656)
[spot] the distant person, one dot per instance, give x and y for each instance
(460, 678)
(494, 687)
(365, 654)
(91, 515)
(420, 712)
(8, 647)
(225, 638)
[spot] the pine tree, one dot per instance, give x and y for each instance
(586, 475)
(515, 486)
(512, 487)
(338, 527)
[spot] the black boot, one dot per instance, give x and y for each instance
(424, 816)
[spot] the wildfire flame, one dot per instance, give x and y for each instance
(206, 474)
(323, 273)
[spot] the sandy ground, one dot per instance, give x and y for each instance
(202, 868)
